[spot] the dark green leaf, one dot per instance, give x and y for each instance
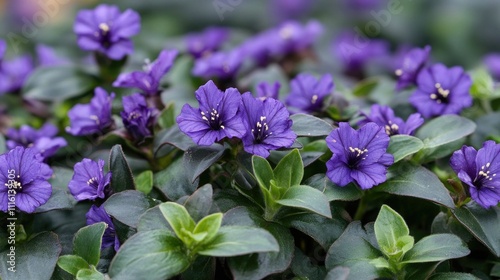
(487, 126)
(402, 146)
(365, 87)
(307, 198)
(35, 259)
(55, 84)
(233, 241)
(197, 159)
(482, 223)
(442, 134)
(307, 125)
(289, 171)
(72, 263)
(203, 268)
(339, 273)
(390, 228)
(174, 181)
(61, 197)
(144, 182)
(332, 191)
(437, 247)
(87, 242)
(303, 266)
(128, 206)
(166, 140)
(200, 202)
(157, 254)
(121, 175)
(153, 219)
(416, 181)
(453, 276)
(262, 171)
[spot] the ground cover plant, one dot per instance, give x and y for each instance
(271, 140)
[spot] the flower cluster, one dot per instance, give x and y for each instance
(137, 117)
(263, 125)
(384, 116)
(44, 140)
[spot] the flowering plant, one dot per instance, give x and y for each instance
(281, 147)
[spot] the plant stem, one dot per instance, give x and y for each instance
(360, 212)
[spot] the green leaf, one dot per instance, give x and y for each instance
(482, 223)
(167, 140)
(209, 225)
(72, 264)
(3, 146)
(55, 84)
(174, 181)
(442, 135)
(290, 170)
(167, 116)
(437, 247)
(128, 206)
(197, 159)
(89, 274)
(365, 87)
(453, 276)
(402, 146)
(199, 203)
(87, 242)
(153, 219)
(144, 182)
(61, 198)
(416, 181)
(178, 218)
(333, 192)
(487, 127)
(303, 266)
(263, 172)
(390, 227)
(233, 241)
(35, 259)
(482, 85)
(121, 175)
(307, 198)
(307, 125)
(157, 254)
(350, 248)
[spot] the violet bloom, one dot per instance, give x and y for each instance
(354, 51)
(148, 80)
(42, 140)
(358, 156)
(492, 62)
(23, 180)
(206, 42)
(14, 72)
(47, 57)
(92, 118)
(384, 117)
(442, 91)
(89, 181)
(107, 31)
(109, 238)
(265, 90)
(222, 65)
(410, 66)
(308, 93)
(290, 9)
(217, 118)
(268, 125)
(137, 117)
(478, 169)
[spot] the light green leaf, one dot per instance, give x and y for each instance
(209, 225)
(72, 264)
(178, 218)
(390, 227)
(290, 170)
(307, 198)
(144, 182)
(89, 274)
(263, 172)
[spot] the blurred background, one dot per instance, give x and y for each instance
(460, 32)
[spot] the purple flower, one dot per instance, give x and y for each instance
(137, 117)
(384, 117)
(92, 118)
(410, 66)
(23, 180)
(358, 156)
(354, 51)
(149, 79)
(478, 169)
(308, 93)
(217, 118)
(107, 31)
(97, 215)
(492, 62)
(222, 65)
(265, 90)
(42, 140)
(14, 72)
(89, 181)
(290, 9)
(204, 43)
(47, 57)
(268, 125)
(442, 91)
